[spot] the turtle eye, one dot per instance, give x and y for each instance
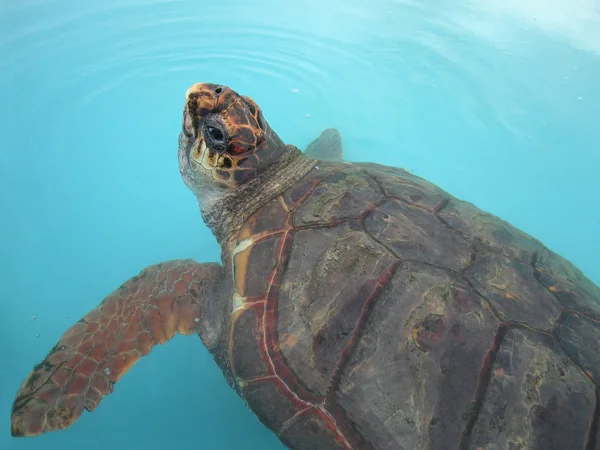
(215, 134)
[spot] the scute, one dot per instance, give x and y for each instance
(400, 184)
(329, 278)
(254, 264)
(270, 218)
(488, 232)
(414, 234)
(513, 291)
(307, 432)
(536, 399)
(344, 195)
(567, 283)
(247, 355)
(414, 373)
(302, 189)
(580, 338)
(274, 406)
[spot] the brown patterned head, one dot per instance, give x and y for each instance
(225, 141)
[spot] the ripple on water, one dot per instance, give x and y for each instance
(119, 42)
(415, 60)
(92, 50)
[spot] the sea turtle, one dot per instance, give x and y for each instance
(356, 306)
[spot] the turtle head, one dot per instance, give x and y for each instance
(225, 142)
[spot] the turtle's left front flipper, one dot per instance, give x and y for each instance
(92, 355)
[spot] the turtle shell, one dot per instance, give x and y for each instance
(373, 310)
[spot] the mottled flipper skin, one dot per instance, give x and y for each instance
(92, 355)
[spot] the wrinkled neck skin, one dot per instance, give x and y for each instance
(206, 192)
(225, 211)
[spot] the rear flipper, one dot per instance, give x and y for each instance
(327, 147)
(92, 355)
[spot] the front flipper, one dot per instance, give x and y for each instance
(92, 355)
(327, 147)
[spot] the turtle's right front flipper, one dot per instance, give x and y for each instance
(327, 147)
(149, 309)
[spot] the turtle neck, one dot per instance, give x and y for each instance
(228, 213)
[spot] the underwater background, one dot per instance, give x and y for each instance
(496, 101)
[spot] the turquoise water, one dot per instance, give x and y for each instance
(497, 101)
